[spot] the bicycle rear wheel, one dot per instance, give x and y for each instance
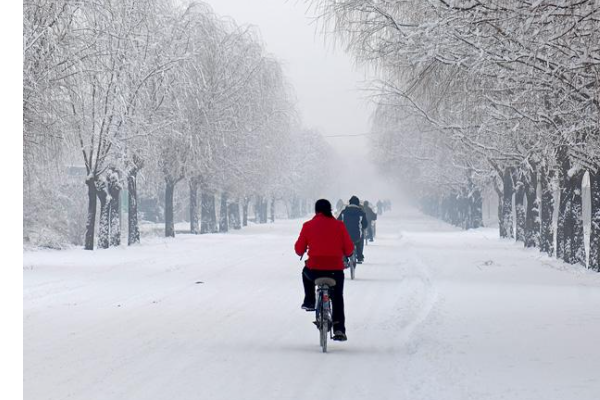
(324, 333)
(352, 263)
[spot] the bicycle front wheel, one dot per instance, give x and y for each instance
(324, 334)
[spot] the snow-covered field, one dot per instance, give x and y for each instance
(435, 313)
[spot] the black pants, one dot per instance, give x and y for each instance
(336, 293)
(359, 249)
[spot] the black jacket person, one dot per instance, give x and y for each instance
(371, 216)
(356, 222)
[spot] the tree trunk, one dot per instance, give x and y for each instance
(104, 226)
(578, 248)
(595, 228)
(261, 209)
(501, 226)
(507, 193)
(450, 209)
(194, 221)
(442, 209)
(564, 227)
(90, 225)
(532, 221)
(245, 203)
(570, 225)
(134, 230)
(265, 210)
(477, 209)
(520, 212)
(114, 189)
(223, 214)
(458, 219)
(208, 213)
(258, 209)
(213, 213)
(234, 215)
(547, 210)
(273, 209)
(560, 227)
(496, 187)
(462, 218)
(466, 214)
(169, 218)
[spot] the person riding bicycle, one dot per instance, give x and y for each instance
(339, 206)
(328, 242)
(371, 218)
(356, 222)
(379, 207)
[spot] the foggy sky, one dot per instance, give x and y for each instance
(325, 81)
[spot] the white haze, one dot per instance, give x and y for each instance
(327, 85)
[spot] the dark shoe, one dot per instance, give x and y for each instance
(339, 336)
(359, 261)
(308, 307)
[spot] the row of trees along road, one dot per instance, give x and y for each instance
(472, 93)
(148, 96)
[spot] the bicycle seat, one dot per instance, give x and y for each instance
(325, 281)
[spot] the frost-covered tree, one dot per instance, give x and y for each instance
(139, 96)
(507, 92)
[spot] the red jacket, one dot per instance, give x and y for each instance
(327, 241)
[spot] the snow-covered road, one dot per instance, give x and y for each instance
(435, 313)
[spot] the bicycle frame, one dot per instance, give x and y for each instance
(323, 313)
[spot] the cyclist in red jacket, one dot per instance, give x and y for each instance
(328, 242)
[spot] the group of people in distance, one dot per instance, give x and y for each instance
(330, 239)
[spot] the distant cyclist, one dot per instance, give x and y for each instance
(356, 222)
(328, 242)
(371, 218)
(379, 207)
(339, 206)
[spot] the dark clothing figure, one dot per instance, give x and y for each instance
(339, 206)
(336, 293)
(356, 222)
(354, 218)
(371, 218)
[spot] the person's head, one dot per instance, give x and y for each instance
(323, 206)
(354, 200)
(366, 203)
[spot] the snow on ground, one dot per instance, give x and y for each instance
(435, 313)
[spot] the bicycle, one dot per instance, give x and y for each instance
(351, 263)
(323, 310)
